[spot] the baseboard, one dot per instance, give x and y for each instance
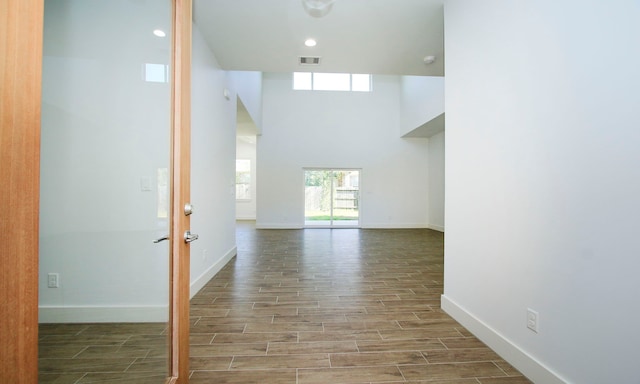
(198, 283)
(521, 360)
(242, 218)
(363, 225)
(125, 314)
(97, 314)
(436, 227)
(394, 225)
(278, 226)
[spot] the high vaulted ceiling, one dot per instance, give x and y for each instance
(356, 36)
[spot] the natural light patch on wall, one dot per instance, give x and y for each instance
(312, 81)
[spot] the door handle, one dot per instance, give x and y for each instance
(163, 238)
(189, 237)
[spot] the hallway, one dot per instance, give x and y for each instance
(334, 306)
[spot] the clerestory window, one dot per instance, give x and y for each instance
(316, 81)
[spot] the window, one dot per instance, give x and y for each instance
(243, 179)
(331, 81)
(302, 81)
(311, 81)
(156, 73)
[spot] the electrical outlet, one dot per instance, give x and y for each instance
(532, 320)
(53, 280)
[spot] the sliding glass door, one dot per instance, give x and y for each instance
(332, 197)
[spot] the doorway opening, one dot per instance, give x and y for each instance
(332, 198)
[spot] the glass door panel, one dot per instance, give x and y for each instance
(105, 156)
(317, 197)
(345, 197)
(332, 198)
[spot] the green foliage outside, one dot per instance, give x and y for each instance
(323, 179)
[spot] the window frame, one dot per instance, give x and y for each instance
(310, 84)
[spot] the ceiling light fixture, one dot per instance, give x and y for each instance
(317, 8)
(310, 43)
(159, 33)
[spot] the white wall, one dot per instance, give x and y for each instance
(105, 133)
(543, 182)
(248, 86)
(436, 181)
(422, 115)
(421, 100)
(343, 130)
(246, 209)
(212, 165)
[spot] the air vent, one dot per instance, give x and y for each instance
(309, 60)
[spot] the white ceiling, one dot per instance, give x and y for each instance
(356, 36)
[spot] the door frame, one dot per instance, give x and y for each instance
(21, 28)
(181, 188)
(332, 200)
(20, 84)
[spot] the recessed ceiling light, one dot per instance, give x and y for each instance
(159, 33)
(317, 8)
(310, 43)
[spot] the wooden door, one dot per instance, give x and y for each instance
(21, 25)
(181, 186)
(20, 74)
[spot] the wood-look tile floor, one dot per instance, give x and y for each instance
(298, 306)
(335, 306)
(102, 353)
